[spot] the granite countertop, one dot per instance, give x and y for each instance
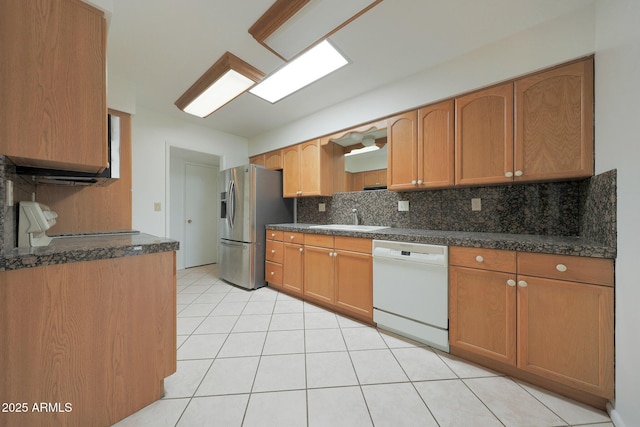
(559, 245)
(86, 247)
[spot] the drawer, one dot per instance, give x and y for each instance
(274, 251)
(321, 240)
(354, 244)
(484, 259)
(597, 271)
(291, 237)
(273, 273)
(274, 235)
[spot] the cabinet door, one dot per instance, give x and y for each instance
(358, 181)
(291, 171)
(310, 178)
(273, 160)
(436, 145)
(319, 273)
(54, 83)
(565, 333)
(484, 136)
(257, 160)
(482, 313)
(402, 151)
(554, 123)
(371, 178)
(354, 283)
(293, 267)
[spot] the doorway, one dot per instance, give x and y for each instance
(194, 204)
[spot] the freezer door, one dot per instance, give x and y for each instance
(238, 204)
(237, 263)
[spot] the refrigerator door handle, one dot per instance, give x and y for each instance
(231, 218)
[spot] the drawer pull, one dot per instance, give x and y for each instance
(273, 234)
(561, 268)
(511, 282)
(292, 237)
(273, 251)
(522, 284)
(273, 272)
(479, 258)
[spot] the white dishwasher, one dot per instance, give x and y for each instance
(411, 291)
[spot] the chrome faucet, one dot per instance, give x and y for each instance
(355, 216)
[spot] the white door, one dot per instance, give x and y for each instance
(201, 219)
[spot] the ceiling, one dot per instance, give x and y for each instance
(163, 46)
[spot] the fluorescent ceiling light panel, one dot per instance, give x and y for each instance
(312, 65)
(223, 90)
(291, 26)
(228, 78)
(362, 150)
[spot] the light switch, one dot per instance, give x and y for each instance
(322, 207)
(157, 206)
(403, 206)
(476, 204)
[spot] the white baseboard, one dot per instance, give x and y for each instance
(615, 416)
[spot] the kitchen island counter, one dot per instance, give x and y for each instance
(559, 245)
(86, 247)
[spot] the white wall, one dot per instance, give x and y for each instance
(153, 134)
(551, 43)
(618, 146)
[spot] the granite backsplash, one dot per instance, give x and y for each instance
(585, 208)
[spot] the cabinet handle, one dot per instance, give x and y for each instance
(519, 173)
(300, 249)
(273, 251)
(508, 174)
(511, 282)
(522, 284)
(273, 234)
(272, 273)
(292, 237)
(561, 268)
(479, 258)
(414, 182)
(419, 182)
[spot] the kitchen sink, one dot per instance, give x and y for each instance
(347, 227)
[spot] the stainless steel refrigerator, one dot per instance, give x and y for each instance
(250, 198)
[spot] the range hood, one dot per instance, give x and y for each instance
(71, 178)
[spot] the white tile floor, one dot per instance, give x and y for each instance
(262, 358)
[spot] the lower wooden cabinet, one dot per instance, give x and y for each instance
(335, 272)
(539, 315)
(293, 268)
(98, 335)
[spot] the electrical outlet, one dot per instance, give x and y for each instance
(157, 206)
(322, 207)
(403, 206)
(476, 204)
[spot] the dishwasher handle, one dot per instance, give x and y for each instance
(410, 256)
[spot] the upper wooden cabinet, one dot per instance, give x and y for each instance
(484, 136)
(421, 148)
(54, 80)
(257, 160)
(308, 169)
(436, 145)
(554, 123)
(537, 128)
(273, 160)
(402, 151)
